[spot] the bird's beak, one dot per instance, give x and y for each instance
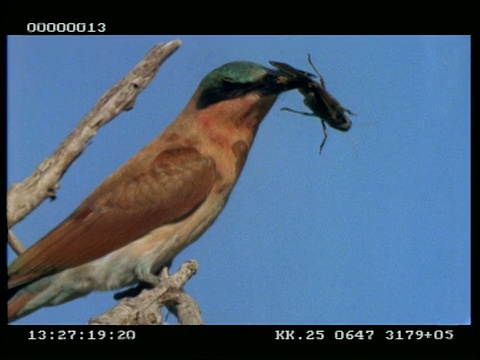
(277, 81)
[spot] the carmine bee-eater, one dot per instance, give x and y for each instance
(158, 202)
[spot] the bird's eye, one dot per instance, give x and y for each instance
(228, 83)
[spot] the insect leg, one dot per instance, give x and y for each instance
(297, 112)
(309, 59)
(348, 111)
(325, 135)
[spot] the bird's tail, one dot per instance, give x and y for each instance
(28, 297)
(17, 301)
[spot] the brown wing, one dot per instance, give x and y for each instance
(164, 190)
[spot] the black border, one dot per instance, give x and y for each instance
(258, 340)
(241, 340)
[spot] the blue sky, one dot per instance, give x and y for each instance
(376, 230)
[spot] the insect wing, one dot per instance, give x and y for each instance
(291, 70)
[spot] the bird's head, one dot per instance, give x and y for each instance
(235, 79)
(229, 104)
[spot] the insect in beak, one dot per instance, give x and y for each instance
(316, 97)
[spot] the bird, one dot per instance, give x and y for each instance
(156, 204)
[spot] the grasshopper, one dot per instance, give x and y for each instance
(322, 104)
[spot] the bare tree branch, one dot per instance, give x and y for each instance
(184, 308)
(15, 243)
(24, 197)
(146, 308)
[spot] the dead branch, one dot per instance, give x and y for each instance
(146, 308)
(24, 197)
(16, 245)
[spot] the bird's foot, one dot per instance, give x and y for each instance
(133, 291)
(155, 278)
(146, 281)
